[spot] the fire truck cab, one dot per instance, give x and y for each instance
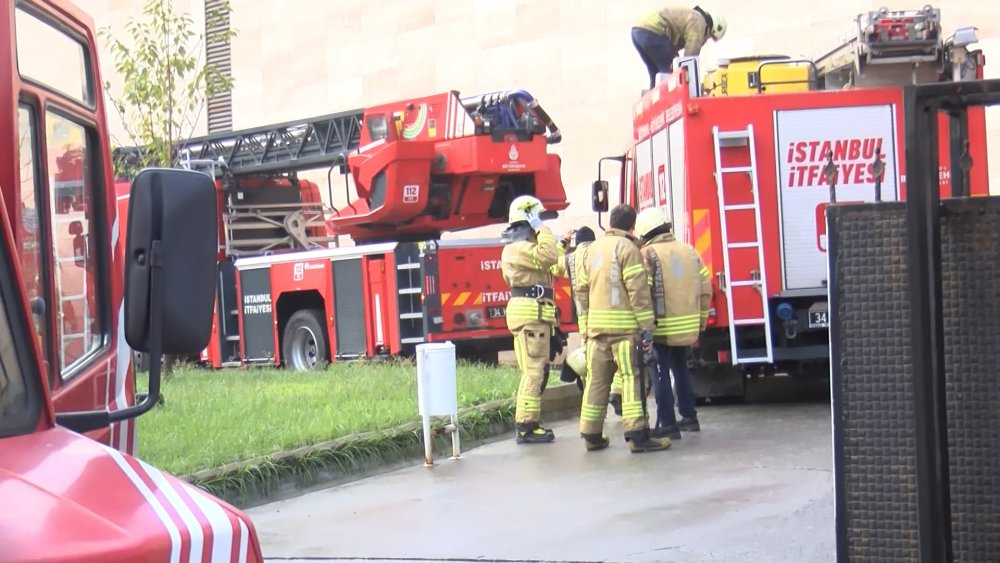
(73, 302)
(746, 159)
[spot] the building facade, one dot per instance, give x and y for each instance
(300, 58)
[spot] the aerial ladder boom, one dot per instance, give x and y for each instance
(420, 168)
(886, 48)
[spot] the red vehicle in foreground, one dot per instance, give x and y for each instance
(69, 488)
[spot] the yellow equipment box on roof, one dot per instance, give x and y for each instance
(764, 74)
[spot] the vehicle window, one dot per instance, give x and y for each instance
(74, 243)
(52, 58)
(29, 227)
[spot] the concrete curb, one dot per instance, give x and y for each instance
(559, 402)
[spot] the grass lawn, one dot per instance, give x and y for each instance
(211, 418)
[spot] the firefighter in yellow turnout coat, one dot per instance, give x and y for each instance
(526, 263)
(682, 292)
(568, 266)
(616, 313)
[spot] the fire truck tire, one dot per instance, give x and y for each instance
(304, 341)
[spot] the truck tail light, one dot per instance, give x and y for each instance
(723, 356)
(712, 318)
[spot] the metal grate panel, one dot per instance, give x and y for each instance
(970, 250)
(874, 419)
(870, 306)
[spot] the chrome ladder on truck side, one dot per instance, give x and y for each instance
(732, 203)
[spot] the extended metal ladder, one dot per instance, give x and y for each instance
(731, 204)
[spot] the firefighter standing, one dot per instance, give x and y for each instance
(614, 304)
(661, 35)
(682, 292)
(525, 263)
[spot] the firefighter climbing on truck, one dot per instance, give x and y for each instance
(662, 34)
(526, 263)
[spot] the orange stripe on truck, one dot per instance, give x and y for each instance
(444, 298)
(702, 232)
(462, 298)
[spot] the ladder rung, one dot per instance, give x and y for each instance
(753, 359)
(234, 338)
(412, 316)
(746, 322)
(409, 291)
(741, 134)
(408, 267)
(744, 283)
(753, 244)
(740, 207)
(727, 169)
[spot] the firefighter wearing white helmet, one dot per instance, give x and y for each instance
(682, 291)
(526, 263)
(660, 36)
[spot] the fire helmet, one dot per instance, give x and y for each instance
(648, 220)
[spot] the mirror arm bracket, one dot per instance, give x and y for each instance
(88, 421)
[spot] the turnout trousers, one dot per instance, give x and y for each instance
(605, 355)
(531, 348)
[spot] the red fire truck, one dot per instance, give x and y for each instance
(419, 168)
(69, 496)
(746, 160)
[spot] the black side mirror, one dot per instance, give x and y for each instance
(599, 196)
(170, 262)
(170, 268)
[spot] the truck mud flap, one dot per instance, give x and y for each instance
(872, 380)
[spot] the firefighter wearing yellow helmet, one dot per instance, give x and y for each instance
(682, 291)
(662, 34)
(526, 263)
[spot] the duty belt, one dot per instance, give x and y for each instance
(532, 292)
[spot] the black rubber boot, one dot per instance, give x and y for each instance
(533, 434)
(689, 425)
(672, 432)
(615, 400)
(595, 442)
(641, 441)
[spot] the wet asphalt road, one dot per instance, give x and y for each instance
(756, 484)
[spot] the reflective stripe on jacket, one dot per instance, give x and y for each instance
(612, 295)
(527, 263)
(681, 289)
(683, 27)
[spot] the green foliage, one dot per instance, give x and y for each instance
(165, 79)
(212, 418)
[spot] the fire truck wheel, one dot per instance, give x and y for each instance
(303, 344)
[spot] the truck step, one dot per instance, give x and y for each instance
(410, 291)
(412, 316)
(410, 266)
(415, 340)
